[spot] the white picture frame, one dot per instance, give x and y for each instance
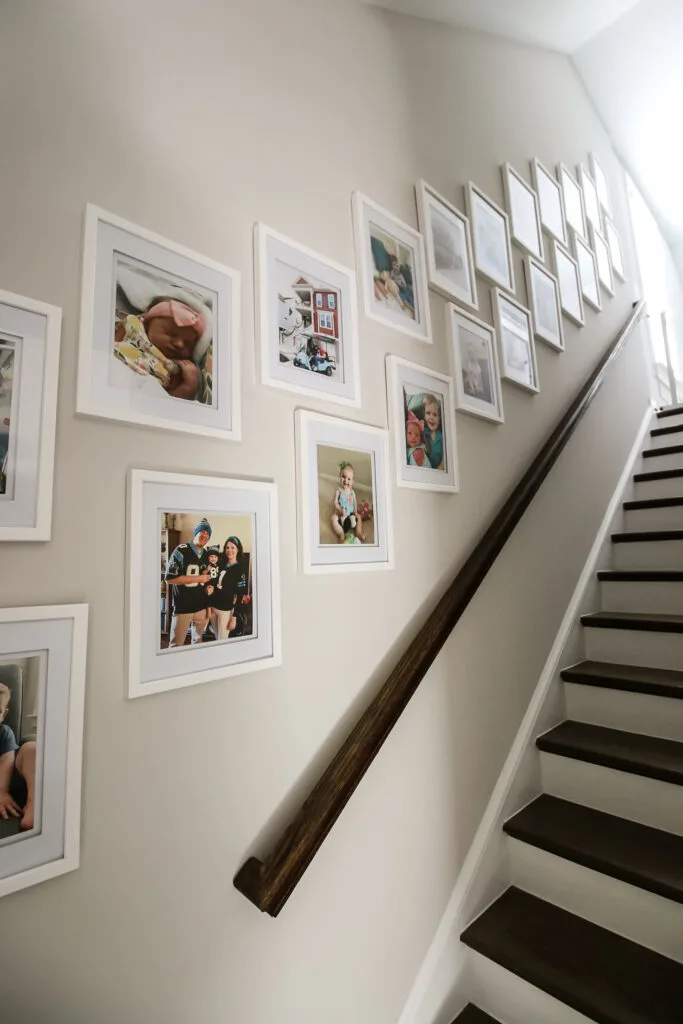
(127, 265)
(544, 304)
(516, 341)
(588, 272)
(325, 446)
(490, 239)
(414, 395)
(307, 320)
(522, 205)
(591, 203)
(603, 260)
(615, 250)
(389, 253)
(572, 199)
(448, 247)
(30, 333)
(54, 639)
(569, 284)
(601, 183)
(477, 393)
(550, 202)
(154, 665)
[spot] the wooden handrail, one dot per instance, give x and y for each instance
(268, 883)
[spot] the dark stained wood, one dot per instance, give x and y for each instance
(644, 623)
(657, 682)
(473, 1015)
(647, 503)
(269, 882)
(659, 474)
(602, 975)
(632, 752)
(635, 536)
(641, 575)
(671, 449)
(634, 853)
(672, 410)
(661, 431)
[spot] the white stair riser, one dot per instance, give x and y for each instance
(664, 440)
(668, 518)
(634, 647)
(656, 462)
(668, 421)
(632, 596)
(648, 554)
(649, 801)
(621, 907)
(667, 488)
(620, 709)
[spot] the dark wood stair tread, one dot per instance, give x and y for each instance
(634, 536)
(647, 503)
(644, 622)
(634, 853)
(641, 575)
(669, 449)
(632, 752)
(658, 682)
(473, 1015)
(602, 975)
(662, 431)
(671, 410)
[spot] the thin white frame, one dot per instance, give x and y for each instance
(581, 245)
(601, 183)
(496, 296)
(77, 614)
(465, 403)
(566, 178)
(46, 428)
(591, 202)
(600, 245)
(561, 252)
(263, 295)
(136, 582)
(307, 486)
(614, 244)
(532, 267)
(360, 203)
(472, 190)
(397, 428)
(439, 282)
(86, 403)
(510, 175)
(539, 172)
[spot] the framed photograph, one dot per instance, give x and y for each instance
(448, 246)
(522, 204)
(591, 203)
(391, 263)
(602, 260)
(572, 198)
(29, 367)
(550, 204)
(588, 272)
(159, 333)
(421, 407)
(490, 239)
(601, 184)
(544, 302)
(516, 340)
(344, 495)
(614, 244)
(473, 356)
(569, 284)
(203, 579)
(307, 320)
(42, 686)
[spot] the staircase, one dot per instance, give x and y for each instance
(594, 915)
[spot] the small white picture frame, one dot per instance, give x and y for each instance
(602, 260)
(30, 333)
(228, 622)
(515, 340)
(588, 272)
(569, 284)
(544, 303)
(550, 203)
(522, 204)
(572, 198)
(422, 416)
(474, 360)
(391, 265)
(42, 672)
(328, 448)
(159, 332)
(448, 247)
(614, 244)
(307, 320)
(601, 183)
(591, 203)
(490, 238)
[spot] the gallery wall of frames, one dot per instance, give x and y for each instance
(159, 347)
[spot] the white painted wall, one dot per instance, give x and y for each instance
(190, 121)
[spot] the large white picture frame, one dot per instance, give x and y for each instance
(474, 361)
(544, 303)
(550, 203)
(490, 238)
(614, 244)
(588, 272)
(569, 284)
(572, 198)
(522, 204)
(448, 247)
(603, 261)
(601, 183)
(516, 340)
(591, 203)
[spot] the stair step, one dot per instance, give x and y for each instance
(634, 853)
(473, 1015)
(610, 979)
(656, 682)
(671, 410)
(670, 449)
(647, 503)
(637, 536)
(660, 431)
(658, 474)
(632, 752)
(646, 623)
(641, 575)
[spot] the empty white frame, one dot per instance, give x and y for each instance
(602, 259)
(522, 204)
(591, 203)
(516, 341)
(569, 284)
(588, 272)
(600, 179)
(614, 243)
(544, 303)
(474, 360)
(448, 246)
(490, 238)
(29, 371)
(550, 203)
(572, 197)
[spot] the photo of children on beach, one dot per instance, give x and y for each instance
(20, 786)
(425, 442)
(7, 394)
(345, 496)
(310, 322)
(393, 272)
(206, 577)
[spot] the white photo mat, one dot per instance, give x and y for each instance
(544, 304)
(550, 202)
(516, 341)
(437, 218)
(466, 331)
(569, 284)
(522, 205)
(490, 238)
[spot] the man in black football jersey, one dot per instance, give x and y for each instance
(187, 573)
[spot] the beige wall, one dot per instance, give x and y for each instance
(190, 121)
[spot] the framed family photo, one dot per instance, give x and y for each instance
(550, 205)
(569, 284)
(516, 341)
(602, 260)
(159, 332)
(473, 356)
(392, 268)
(448, 246)
(307, 320)
(203, 580)
(42, 686)
(591, 203)
(490, 238)
(30, 334)
(344, 495)
(588, 272)
(544, 303)
(614, 245)
(421, 408)
(522, 204)
(572, 198)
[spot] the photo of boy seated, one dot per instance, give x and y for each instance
(17, 772)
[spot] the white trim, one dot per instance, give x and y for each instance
(437, 281)
(470, 191)
(508, 172)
